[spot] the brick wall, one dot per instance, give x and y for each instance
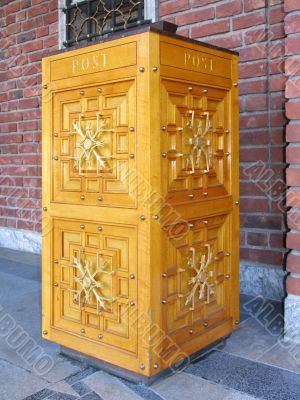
(29, 30)
(255, 29)
(292, 69)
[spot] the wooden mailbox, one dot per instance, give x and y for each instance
(140, 199)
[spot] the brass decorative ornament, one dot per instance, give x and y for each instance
(89, 284)
(87, 149)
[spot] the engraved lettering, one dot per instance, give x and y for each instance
(85, 64)
(95, 62)
(200, 62)
(75, 65)
(89, 63)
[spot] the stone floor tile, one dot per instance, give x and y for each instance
(20, 257)
(62, 396)
(93, 396)
(284, 355)
(16, 383)
(63, 387)
(109, 387)
(253, 378)
(250, 341)
(81, 388)
(142, 390)
(85, 372)
(41, 395)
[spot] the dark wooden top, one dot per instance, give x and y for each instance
(161, 27)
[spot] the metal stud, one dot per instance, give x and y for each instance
(82, 197)
(190, 331)
(55, 261)
(45, 209)
(132, 276)
(81, 92)
(55, 284)
(205, 194)
(228, 254)
(100, 229)
(131, 129)
(205, 324)
(190, 88)
(142, 217)
(205, 91)
(227, 276)
(131, 155)
(164, 155)
(154, 68)
(155, 217)
(164, 275)
(205, 222)
(164, 301)
(99, 90)
(155, 366)
(55, 158)
(142, 69)
(99, 198)
(142, 366)
(55, 134)
(45, 332)
(191, 196)
(237, 322)
(235, 84)
(227, 153)
(45, 86)
(227, 131)
(236, 203)
(82, 226)
(132, 303)
(100, 336)
(163, 128)
(82, 330)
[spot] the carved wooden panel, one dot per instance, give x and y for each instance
(94, 270)
(195, 125)
(195, 289)
(93, 145)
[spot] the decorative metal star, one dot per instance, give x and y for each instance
(87, 148)
(201, 281)
(199, 142)
(88, 282)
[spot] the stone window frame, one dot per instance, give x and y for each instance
(151, 13)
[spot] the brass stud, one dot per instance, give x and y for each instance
(155, 217)
(205, 324)
(237, 322)
(132, 303)
(228, 254)
(55, 134)
(99, 198)
(45, 86)
(45, 209)
(205, 194)
(190, 88)
(132, 276)
(45, 332)
(191, 196)
(142, 217)
(81, 92)
(55, 284)
(236, 203)
(164, 275)
(142, 366)
(164, 301)
(55, 158)
(131, 155)
(82, 330)
(55, 261)
(100, 229)
(142, 69)
(131, 129)
(190, 331)
(82, 197)
(205, 222)
(191, 225)
(205, 91)
(227, 153)
(99, 90)
(154, 68)
(82, 226)
(155, 366)
(227, 276)
(163, 128)
(164, 155)
(227, 131)
(100, 336)
(235, 84)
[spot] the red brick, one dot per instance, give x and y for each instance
(250, 86)
(254, 205)
(229, 41)
(292, 45)
(38, 10)
(211, 28)
(266, 257)
(291, 5)
(293, 285)
(255, 138)
(229, 8)
(251, 5)
(253, 121)
(293, 176)
(293, 132)
(292, 67)
(252, 156)
(277, 83)
(252, 70)
(249, 20)
(277, 240)
(293, 263)
(276, 15)
(195, 16)
(293, 109)
(173, 6)
(292, 89)
(254, 52)
(293, 154)
(292, 23)
(293, 197)
(32, 46)
(50, 18)
(257, 239)
(255, 35)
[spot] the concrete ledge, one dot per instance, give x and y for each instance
(16, 239)
(292, 318)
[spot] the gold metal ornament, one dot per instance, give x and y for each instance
(200, 143)
(89, 284)
(87, 149)
(201, 282)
